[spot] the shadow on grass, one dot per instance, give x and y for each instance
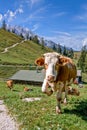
(16, 90)
(84, 82)
(80, 110)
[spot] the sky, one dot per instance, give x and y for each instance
(62, 21)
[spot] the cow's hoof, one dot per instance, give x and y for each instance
(65, 101)
(58, 111)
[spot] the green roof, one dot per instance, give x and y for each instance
(29, 75)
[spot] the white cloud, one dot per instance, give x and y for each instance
(85, 42)
(84, 6)
(20, 10)
(75, 41)
(83, 14)
(35, 27)
(59, 14)
(33, 2)
(81, 17)
(37, 14)
(1, 17)
(10, 15)
(62, 33)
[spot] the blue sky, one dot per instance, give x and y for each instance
(62, 21)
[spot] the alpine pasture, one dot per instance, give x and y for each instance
(37, 114)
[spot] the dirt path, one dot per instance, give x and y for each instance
(6, 121)
(7, 48)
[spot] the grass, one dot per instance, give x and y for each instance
(40, 115)
(24, 53)
(8, 39)
(8, 71)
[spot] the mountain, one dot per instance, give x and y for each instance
(28, 34)
(25, 32)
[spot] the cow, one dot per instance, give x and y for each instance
(60, 74)
(9, 84)
(26, 89)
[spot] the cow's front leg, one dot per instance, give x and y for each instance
(45, 86)
(59, 98)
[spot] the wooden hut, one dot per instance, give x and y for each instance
(32, 77)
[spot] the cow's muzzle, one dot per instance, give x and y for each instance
(51, 78)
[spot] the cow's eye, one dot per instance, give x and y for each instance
(46, 66)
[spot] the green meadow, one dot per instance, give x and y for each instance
(41, 115)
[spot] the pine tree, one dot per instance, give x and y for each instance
(70, 53)
(42, 43)
(82, 60)
(65, 51)
(54, 48)
(59, 50)
(4, 25)
(35, 39)
(21, 35)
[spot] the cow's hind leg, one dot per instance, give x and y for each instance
(66, 93)
(59, 98)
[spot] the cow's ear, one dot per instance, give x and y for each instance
(39, 61)
(62, 60)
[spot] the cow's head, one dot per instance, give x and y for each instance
(51, 62)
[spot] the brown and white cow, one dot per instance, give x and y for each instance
(9, 84)
(60, 73)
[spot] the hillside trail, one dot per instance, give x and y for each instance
(7, 48)
(7, 122)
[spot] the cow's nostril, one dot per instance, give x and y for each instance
(50, 78)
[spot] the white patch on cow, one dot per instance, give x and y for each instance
(51, 71)
(44, 86)
(51, 59)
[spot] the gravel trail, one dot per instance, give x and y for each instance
(7, 48)
(6, 121)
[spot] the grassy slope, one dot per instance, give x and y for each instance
(24, 53)
(8, 39)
